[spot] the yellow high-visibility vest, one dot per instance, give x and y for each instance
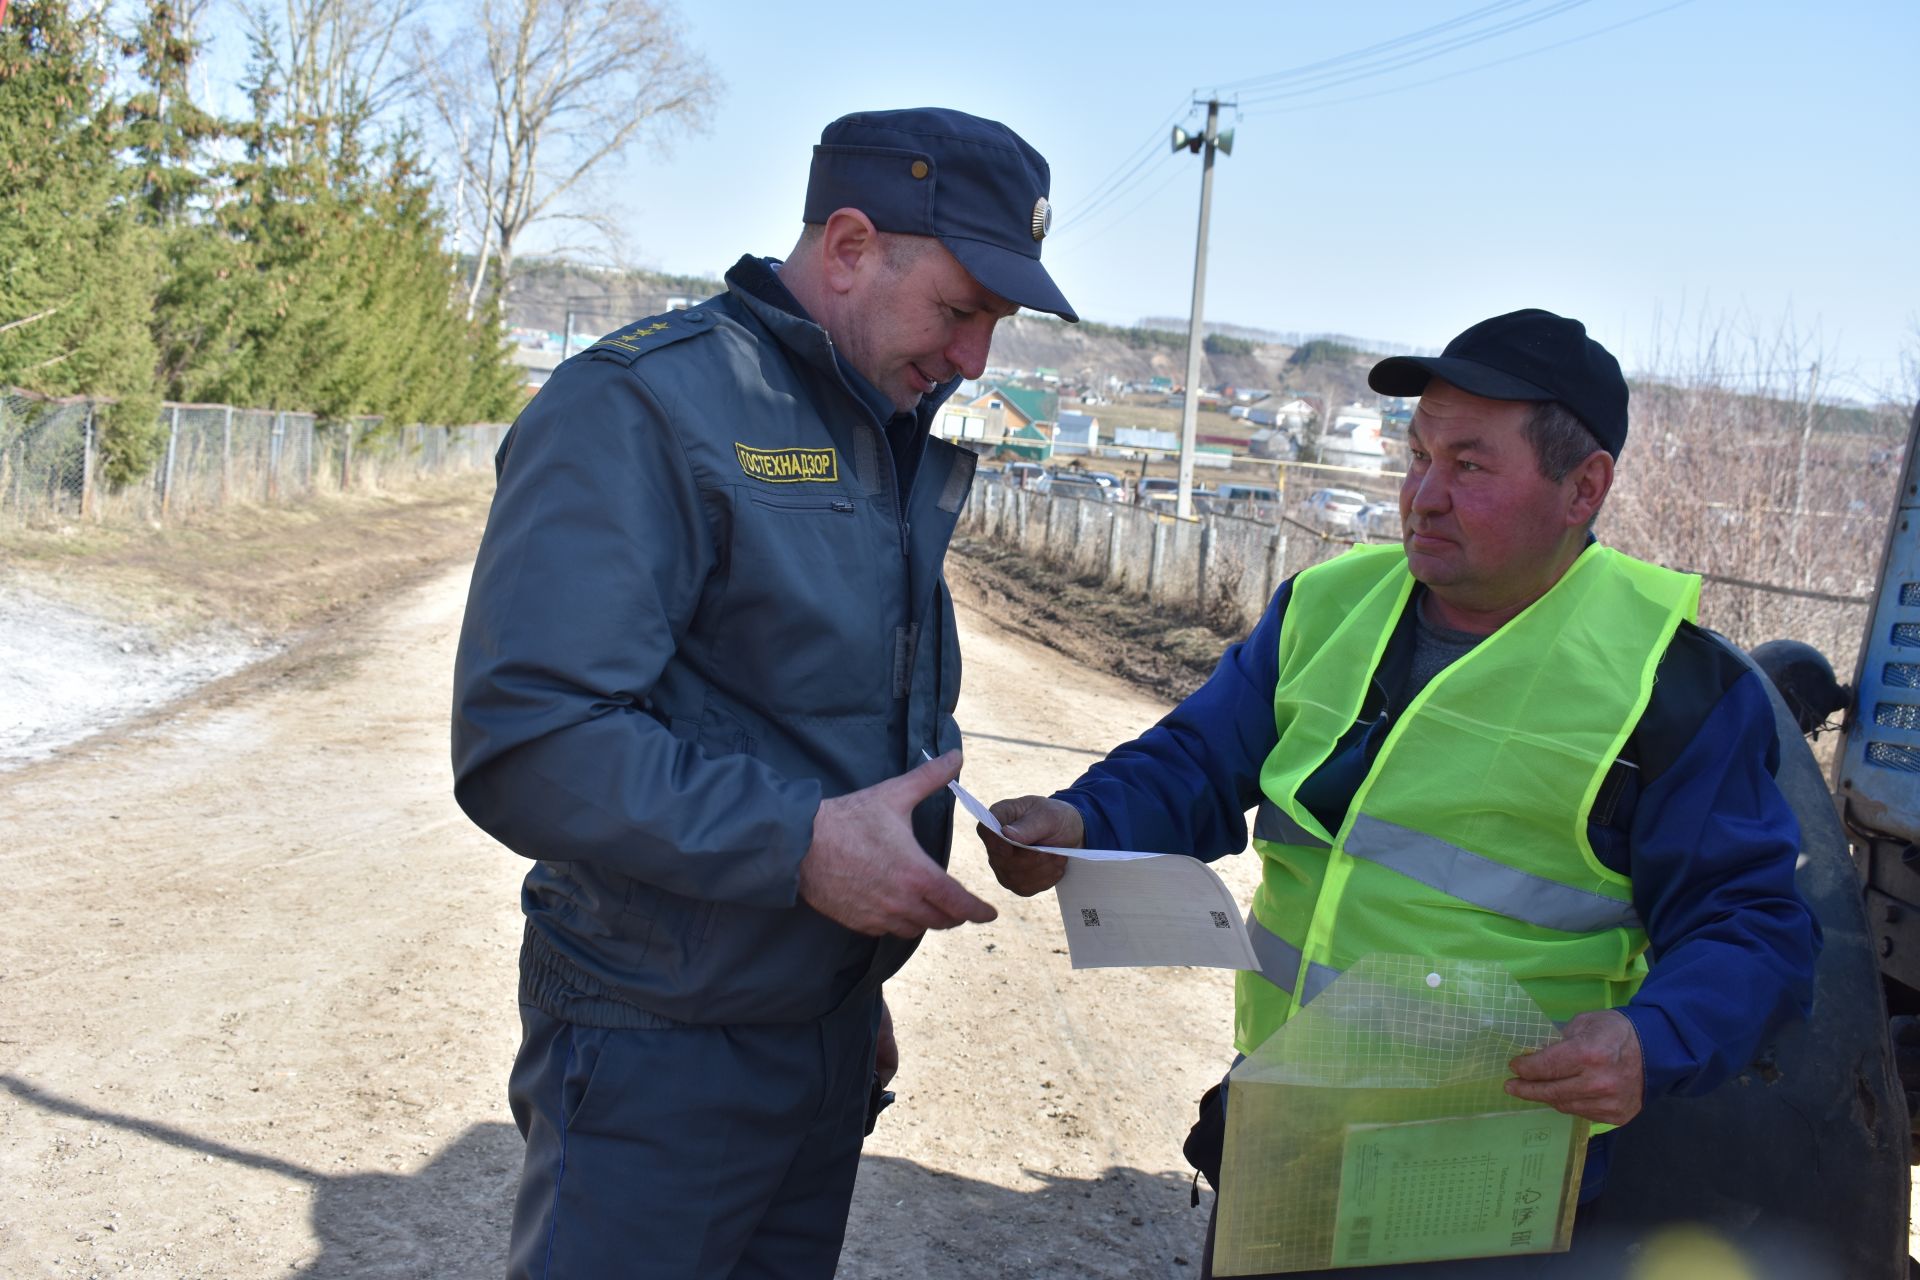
(1468, 837)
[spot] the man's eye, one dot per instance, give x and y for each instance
(1470, 466)
(958, 313)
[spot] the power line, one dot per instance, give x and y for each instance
(1400, 61)
(1132, 173)
(1253, 82)
(1081, 238)
(1415, 47)
(1480, 66)
(1134, 177)
(1104, 191)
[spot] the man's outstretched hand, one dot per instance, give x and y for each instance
(866, 870)
(1594, 1072)
(1031, 820)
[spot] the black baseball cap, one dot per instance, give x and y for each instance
(1523, 355)
(970, 183)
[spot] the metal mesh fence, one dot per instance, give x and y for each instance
(46, 458)
(213, 456)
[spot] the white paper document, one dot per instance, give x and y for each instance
(1125, 908)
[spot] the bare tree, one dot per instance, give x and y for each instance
(336, 63)
(538, 94)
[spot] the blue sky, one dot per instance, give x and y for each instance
(1739, 167)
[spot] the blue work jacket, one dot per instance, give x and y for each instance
(1690, 812)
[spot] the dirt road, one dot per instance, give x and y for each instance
(256, 999)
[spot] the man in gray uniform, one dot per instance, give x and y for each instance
(706, 649)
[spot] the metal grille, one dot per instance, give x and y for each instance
(1897, 715)
(1907, 634)
(1900, 675)
(1910, 593)
(1888, 756)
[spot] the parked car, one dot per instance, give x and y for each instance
(1114, 483)
(1157, 490)
(1162, 493)
(1378, 521)
(1334, 509)
(1068, 484)
(1255, 501)
(1022, 475)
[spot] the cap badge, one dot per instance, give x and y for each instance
(1042, 218)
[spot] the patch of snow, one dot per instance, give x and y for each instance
(66, 673)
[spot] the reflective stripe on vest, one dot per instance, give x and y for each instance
(1280, 961)
(1271, 822)
(1468, 835)
(1485, 883)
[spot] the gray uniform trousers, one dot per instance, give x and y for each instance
(688, 1151)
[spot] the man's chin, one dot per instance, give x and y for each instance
(1429, 570)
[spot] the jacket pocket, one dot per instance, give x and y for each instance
(803, 629)
(674, 927)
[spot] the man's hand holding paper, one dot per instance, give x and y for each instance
(1594, 1072)
(1031, 820)
(1117, 906)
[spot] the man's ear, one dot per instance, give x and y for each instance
(1590, 482)
(846, 243)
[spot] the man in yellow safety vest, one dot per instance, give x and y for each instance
(1498, 740)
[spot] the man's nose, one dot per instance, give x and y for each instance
(1430, 495)
(971, 342)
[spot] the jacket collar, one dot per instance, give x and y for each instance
(758, 287)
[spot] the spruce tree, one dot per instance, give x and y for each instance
(76, 267)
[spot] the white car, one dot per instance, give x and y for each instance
(1334, 508)
(1379, 521)
(1157, 490)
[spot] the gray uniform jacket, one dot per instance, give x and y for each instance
(701, 606)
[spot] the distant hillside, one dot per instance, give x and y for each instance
(1088, 354)
(1085, 354)
(602, 300)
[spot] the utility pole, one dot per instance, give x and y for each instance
(1208, 142)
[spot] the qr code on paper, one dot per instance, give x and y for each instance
(1089, 916)
(1220, 920)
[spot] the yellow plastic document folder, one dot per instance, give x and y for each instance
(1374, 1127)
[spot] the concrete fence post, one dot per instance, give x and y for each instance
(1206, 562)
(1156, 561)
(226, 456)
(274, 436)
(1112, 577)
(86, 464)
(173, 447)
